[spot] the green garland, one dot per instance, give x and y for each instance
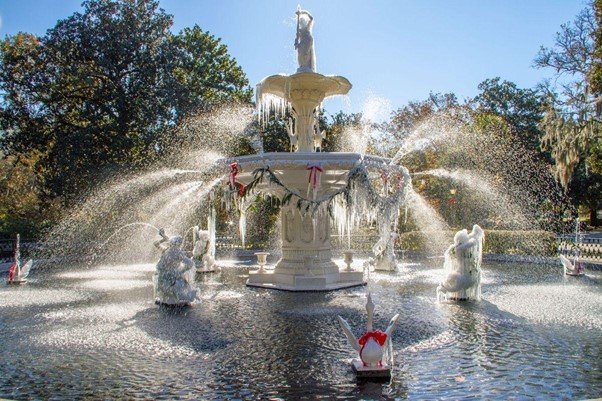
(357, 176)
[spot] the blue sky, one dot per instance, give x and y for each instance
(391, 50)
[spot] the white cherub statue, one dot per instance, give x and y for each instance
(384, 252)
(372, 345)
(174, 278)
(319, 136)
(304, 42)
(201, 252)
(463, 267)
(292, 136)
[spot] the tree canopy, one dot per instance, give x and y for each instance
(100, 89)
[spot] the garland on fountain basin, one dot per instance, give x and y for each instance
(358, 177)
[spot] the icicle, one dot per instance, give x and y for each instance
(242, 227)
(211, 226)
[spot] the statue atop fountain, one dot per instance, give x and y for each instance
(304, 41)
(174, 278)
(463, 267)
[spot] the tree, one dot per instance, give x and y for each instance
(98, 93)
(520, 108)
(404, 120)
(203, 74)
(572, 119)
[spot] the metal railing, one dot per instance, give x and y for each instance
(589, 249)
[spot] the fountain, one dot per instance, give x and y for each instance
(463, 267)
(310, 185)
(536, 334)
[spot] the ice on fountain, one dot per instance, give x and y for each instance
(267, 103)
(363, 206)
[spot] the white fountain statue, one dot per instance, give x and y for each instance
(372, 347)
(309, 184)
(201, 253)
(463, 267)
(174, 278)
(384, 253)
(574, 267)
(17, 274)
(304, 41)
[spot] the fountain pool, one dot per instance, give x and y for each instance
(96, 333)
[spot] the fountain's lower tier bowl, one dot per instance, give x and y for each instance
(306, 263)
(306, 282)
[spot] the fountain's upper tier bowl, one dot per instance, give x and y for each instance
(304, 84)
(292, 169)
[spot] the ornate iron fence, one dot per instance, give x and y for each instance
(589, 249)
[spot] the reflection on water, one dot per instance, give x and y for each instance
(96, 333)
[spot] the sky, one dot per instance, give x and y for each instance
(392, 51)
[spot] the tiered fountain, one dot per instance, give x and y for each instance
(314, 185)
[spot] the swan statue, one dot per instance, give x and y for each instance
(17, 274)
(373, 346)
(570, 268)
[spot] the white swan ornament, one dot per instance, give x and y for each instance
(372, 346)
(17, 274)
(571, 269)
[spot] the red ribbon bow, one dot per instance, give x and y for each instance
(233, 183)
(314, 174)
(379, 336)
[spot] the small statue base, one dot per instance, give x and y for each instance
(173, 305)
(200, 268)
(382, 372)
(457, 299)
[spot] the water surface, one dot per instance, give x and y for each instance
(95, 333)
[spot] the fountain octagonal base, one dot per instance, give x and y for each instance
(295, 282)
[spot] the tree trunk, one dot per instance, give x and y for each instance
(593, 217)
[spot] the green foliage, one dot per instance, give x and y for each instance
(101, 89)
(537, 242)
(520, 108)
(203, 74)
(21, 209)
(595, 73)
(571, 122)
(406, 119)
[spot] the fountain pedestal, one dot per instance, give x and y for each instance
(306, 263)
